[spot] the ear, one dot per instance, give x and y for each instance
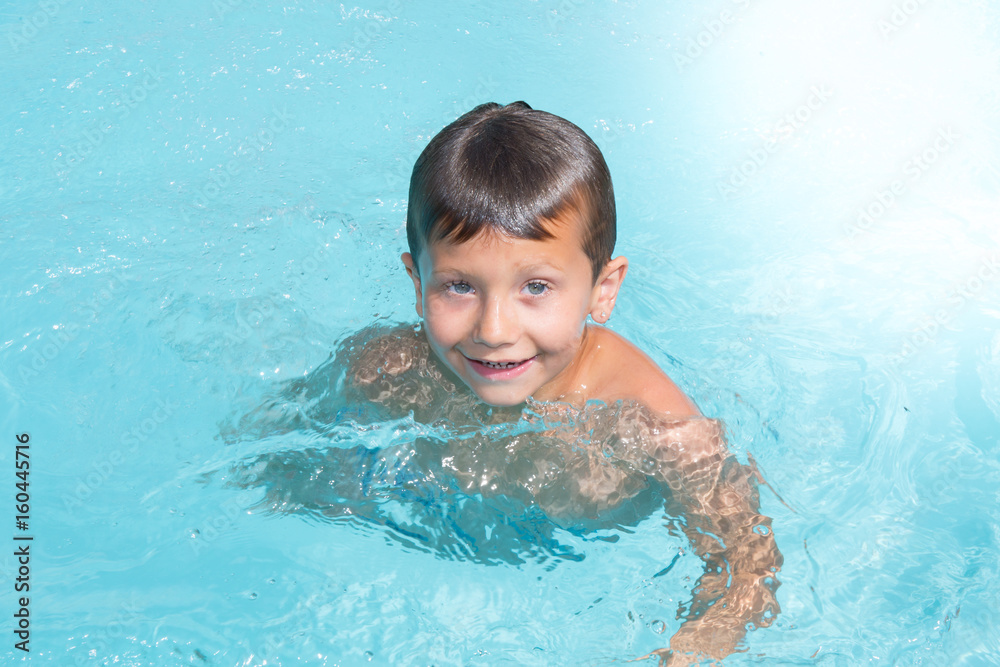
(411, 270)
(602, 300)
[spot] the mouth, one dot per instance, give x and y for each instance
(500, 370)
(500, 364)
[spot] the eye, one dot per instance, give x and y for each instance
(459, 287)
(537, 288)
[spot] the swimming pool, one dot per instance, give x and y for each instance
(201, 199)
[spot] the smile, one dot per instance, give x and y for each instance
(501, 364)
(500, 370)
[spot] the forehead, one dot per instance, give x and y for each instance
(564, 251)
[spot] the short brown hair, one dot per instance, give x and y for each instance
(505, 169)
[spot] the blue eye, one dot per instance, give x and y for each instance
(459, 287)
(537, 289)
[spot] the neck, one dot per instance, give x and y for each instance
(567, 387)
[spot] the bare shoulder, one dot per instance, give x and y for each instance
(664, 429)
(382, 350)
(627, 373)
(393, 366)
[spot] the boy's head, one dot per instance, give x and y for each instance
(508, 169)
(511, 226)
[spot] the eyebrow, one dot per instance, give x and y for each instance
(527, 268)
(538, 266)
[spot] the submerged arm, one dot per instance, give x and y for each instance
(717, 500)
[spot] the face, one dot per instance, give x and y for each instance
(508, 316)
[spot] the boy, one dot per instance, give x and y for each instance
(511, 227)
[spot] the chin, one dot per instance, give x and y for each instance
(500, 401)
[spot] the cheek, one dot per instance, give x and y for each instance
(561, 327)
(445, 323)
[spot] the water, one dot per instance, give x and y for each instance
(199, 201)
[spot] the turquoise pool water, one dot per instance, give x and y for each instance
(198, 201)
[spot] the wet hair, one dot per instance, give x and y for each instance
(508, 169)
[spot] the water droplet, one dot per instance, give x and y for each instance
(369, 655)
(253, 596)
(658, 627)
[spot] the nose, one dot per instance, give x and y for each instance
(498, 324)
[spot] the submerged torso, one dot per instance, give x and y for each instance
(585, 466)
(574, 460)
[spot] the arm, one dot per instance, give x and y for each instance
(717, 500)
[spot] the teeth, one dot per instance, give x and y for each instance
(495, 365)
